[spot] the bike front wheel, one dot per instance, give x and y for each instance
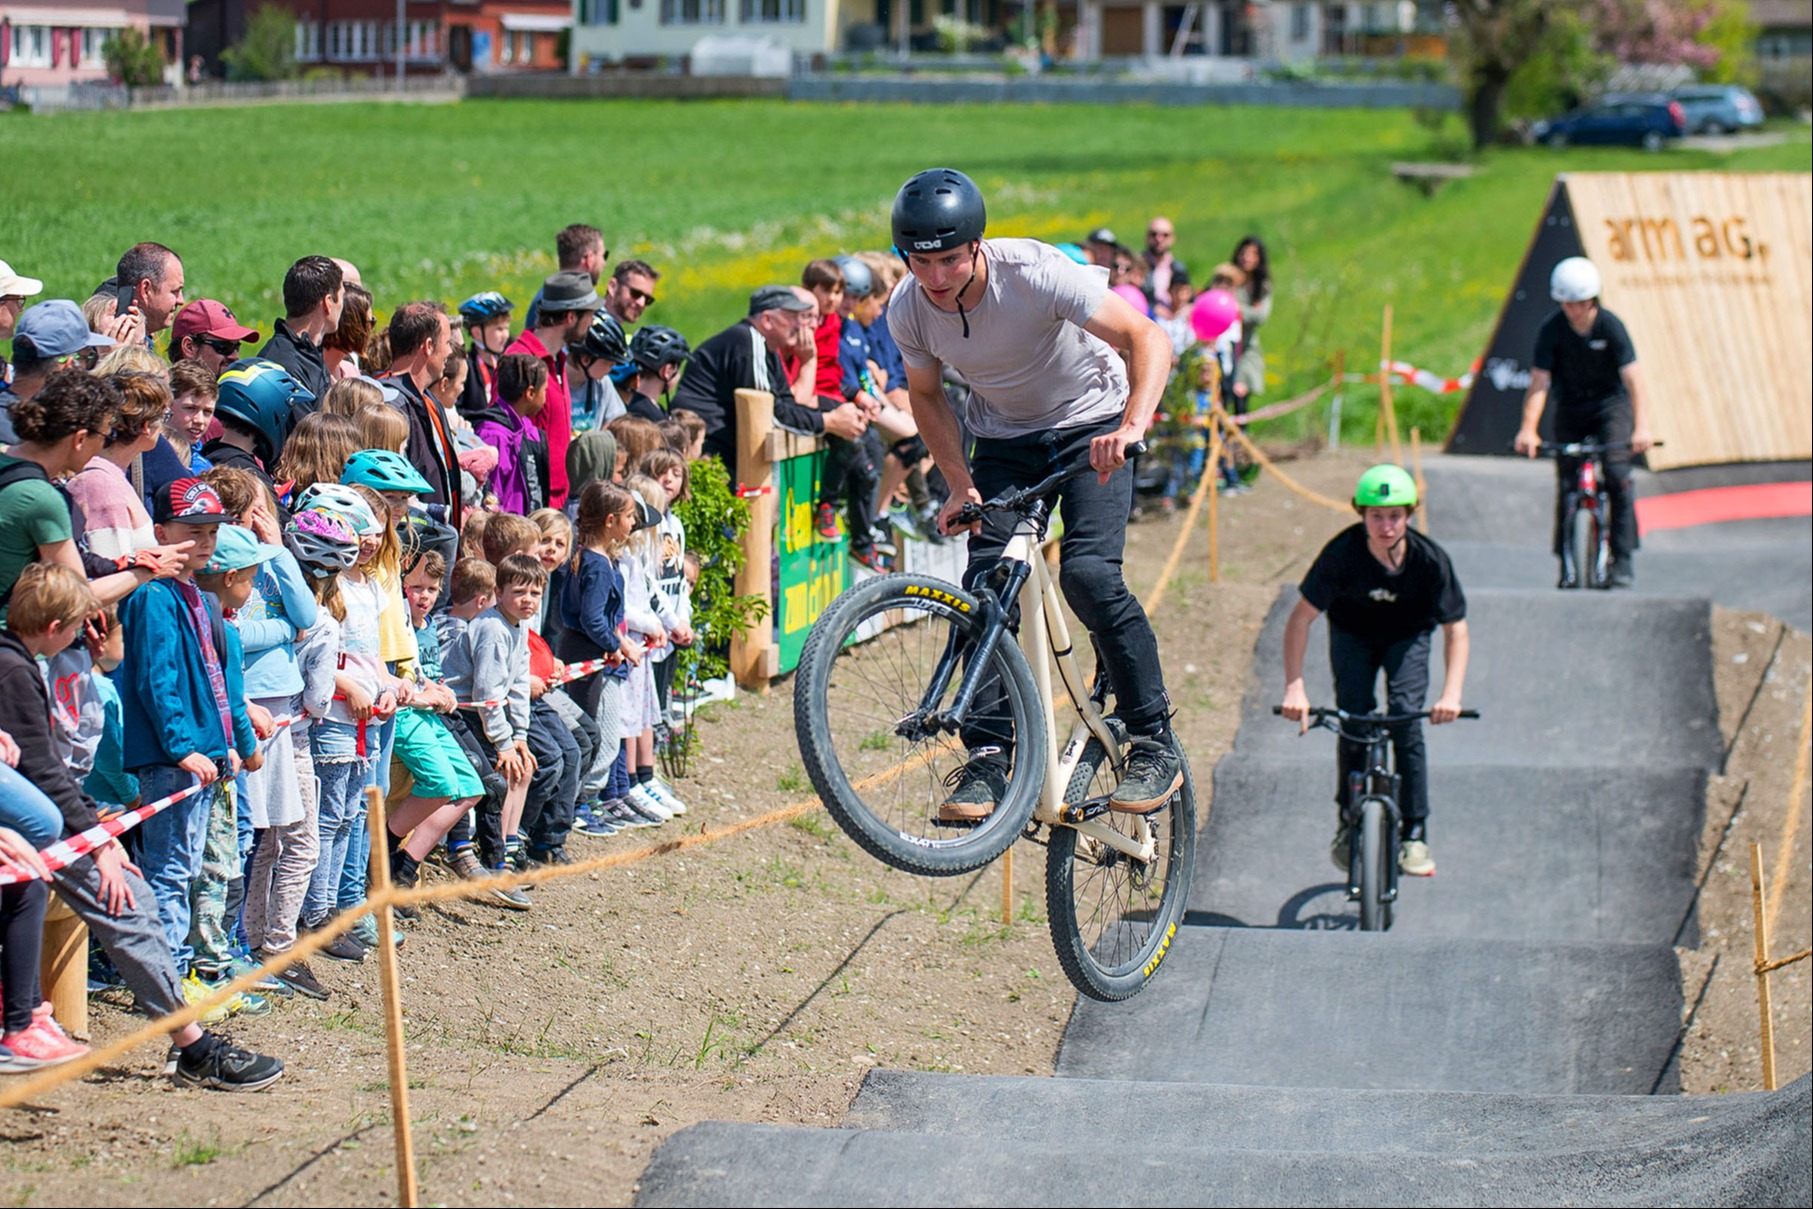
(859, 697)
(1114, 916)
(1589, 572)
(1376, 848)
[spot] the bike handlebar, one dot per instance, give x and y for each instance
(1020, 500)
(1581, 449)
(1321, 713)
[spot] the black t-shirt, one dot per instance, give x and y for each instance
(1585, 369)
(1362, 597)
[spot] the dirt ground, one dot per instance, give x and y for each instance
(758, 978)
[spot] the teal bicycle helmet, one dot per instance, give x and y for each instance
(259, 395)
(383, 470)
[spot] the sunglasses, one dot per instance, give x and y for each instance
(226, 348)
(642, 296)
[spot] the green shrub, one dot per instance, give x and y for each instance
(133, 59)
(268, 50)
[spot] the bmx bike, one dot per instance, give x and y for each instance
(1586, 555)
(888, 679)
(1370, 809)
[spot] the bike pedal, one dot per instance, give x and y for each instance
(1082, 812)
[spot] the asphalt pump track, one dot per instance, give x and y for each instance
(1510, 1041)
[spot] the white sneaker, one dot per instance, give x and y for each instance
(662, 794)
(1414, 859)
(639, 797)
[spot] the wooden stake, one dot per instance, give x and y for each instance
(407, 1194)
(749, 653)
(1007, 887)
(1334, 406)
(1758, 895)
(1213, 487)
(1416, 473)
(63, 967)
(1388, 416)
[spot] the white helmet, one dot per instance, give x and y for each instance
(1574, 280)
(344, 503)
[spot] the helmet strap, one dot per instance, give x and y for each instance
(974, 252)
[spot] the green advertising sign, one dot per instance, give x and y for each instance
(812, 571)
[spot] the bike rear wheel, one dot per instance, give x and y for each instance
(1584, 538)
(1375, 849)
(1113, 917)
(852, 698)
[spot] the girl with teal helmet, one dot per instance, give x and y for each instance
(1385, 588)
(383, 470)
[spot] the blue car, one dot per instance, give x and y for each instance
(1719, 108)
(1645, 120)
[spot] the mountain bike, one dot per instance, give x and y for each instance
(891, 674)
(1370, 811)
(1586, 555)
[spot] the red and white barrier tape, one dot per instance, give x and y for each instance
(66, 852)
(1411, 375)
(575, 671)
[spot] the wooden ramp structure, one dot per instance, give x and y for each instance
(1712, 273)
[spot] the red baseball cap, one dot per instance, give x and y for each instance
(206, 317)
(188, 502)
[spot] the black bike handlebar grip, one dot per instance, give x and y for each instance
(1469, 713)
(1138, 449)
(1277, 711)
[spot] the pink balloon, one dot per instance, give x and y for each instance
(1213, 313)
(1138, 300)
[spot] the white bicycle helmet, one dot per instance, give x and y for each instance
(344, 503)
(322, 542)
(1575, 279)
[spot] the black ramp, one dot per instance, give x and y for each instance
(1573, 854)
(1377, 1010)
(1564, 679)
(1123, 1149)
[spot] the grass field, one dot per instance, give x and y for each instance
(442, 201)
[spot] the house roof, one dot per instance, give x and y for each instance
(1777, 14)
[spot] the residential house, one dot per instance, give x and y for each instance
(59, 41)
(361, 36)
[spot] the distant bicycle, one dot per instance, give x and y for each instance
(879, 726)
(1586, 554)
(1370, 810)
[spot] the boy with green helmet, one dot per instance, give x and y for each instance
(1385, 587)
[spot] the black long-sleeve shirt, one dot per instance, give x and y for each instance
(737, 358)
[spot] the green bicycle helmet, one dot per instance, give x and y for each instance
(1384, 487)
(383, 470)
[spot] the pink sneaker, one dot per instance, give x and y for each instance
(42, 1044)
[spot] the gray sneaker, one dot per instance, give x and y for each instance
(1622, 574)
(1341, 847)
(1154, 773)
(976, 789)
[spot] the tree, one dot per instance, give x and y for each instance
(133, 59)
(268, 50)
(1654, 31)
(1495, 38)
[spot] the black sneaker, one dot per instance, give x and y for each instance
(976, 789)
(227, 1067)
(299, 978)
(1622, 574)
(345, 947)
(556, 855)
(1154, 773)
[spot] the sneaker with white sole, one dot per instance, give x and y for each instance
(662, 794)
(639, 799)
(1414, 859)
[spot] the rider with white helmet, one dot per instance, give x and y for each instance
(1584, 358)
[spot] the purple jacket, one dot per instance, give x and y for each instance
(520, 481)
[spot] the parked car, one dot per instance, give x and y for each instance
(1719, 108)
(1646, 120)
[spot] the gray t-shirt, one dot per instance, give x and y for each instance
(1029, 363)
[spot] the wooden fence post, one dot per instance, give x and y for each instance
(1757, 896)
(749, 654)
(407, 1194)
(1213, 486)
(1387, 426)
(1416, 473)
(1334, 405)
(63, 967)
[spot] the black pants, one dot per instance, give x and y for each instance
(1611, 421)
(1357, 662)
(22, 907)
(554, 787)
(1095, 535)
(492, 804)
(851, 475)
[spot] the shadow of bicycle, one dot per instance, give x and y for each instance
(1319, 908)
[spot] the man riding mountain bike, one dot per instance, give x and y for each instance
(1584, 358)
(1040, 341)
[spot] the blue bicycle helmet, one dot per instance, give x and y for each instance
(488, 305)
(655, 346)
(383, 470)
(259, 395)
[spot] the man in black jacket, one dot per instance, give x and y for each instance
(314, 290)
(747, 355)
(421, 340)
